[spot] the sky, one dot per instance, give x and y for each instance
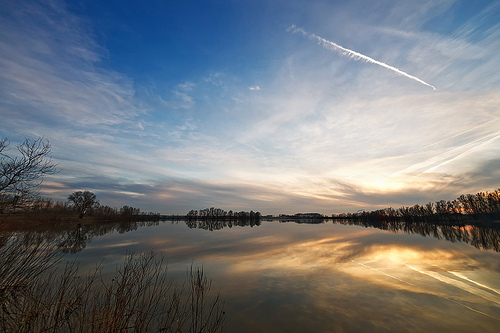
(273, 106)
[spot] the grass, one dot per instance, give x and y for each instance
(39, 294)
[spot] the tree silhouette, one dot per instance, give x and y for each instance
(482, 205)
(83, 201)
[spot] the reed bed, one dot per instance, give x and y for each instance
(40, 294)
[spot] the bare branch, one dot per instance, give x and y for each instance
(21, 174)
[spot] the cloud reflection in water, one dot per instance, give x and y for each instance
(293, 277)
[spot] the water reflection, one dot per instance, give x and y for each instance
(299, 277)
(213, 225)
(71, 239)
(332, 276)
(485, 236)
(482, 236)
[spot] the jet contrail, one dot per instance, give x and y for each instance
(459, 284)
(353, 54)
(457, 274)
(378, 270)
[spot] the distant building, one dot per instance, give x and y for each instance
(308, 215)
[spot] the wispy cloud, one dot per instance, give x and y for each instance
(50, 70)
(353, 54)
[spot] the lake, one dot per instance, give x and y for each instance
(326, 277)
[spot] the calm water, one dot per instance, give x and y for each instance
(328, 277)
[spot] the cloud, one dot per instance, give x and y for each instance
(215, 79)
(254, 88)
(187, 86)
(49, 69)
(179, 195)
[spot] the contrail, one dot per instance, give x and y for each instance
(378, 270)
(353, 54)
(457, 274)
(441, 278)
(458, 284)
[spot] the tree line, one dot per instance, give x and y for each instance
(214, 214)
(465, 207)
(79, 204)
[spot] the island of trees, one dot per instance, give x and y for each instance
(220, 214)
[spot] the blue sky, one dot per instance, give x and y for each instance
(176, 105)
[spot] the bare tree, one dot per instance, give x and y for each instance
(22, 174)
(83, 201)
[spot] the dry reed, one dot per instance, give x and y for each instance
(36, 296)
